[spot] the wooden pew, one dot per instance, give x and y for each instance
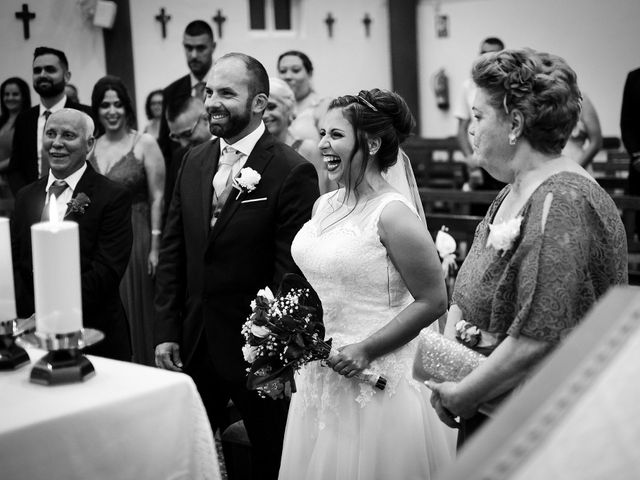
(436, 162)
(443, 206)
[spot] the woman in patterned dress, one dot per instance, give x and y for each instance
(551, 243)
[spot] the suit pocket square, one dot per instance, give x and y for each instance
(253, 200)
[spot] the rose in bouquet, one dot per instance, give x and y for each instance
(283, 333)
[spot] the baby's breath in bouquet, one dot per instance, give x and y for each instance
(284, 332)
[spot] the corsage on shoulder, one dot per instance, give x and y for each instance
(467, 333)
(503, 235)
(246, 181)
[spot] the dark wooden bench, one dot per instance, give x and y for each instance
(443, 207)
(436, 162)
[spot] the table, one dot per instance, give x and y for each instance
(127, 422)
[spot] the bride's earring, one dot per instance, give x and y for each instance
(512, 138)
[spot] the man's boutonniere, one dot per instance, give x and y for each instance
(502, 235)
(246, 181)
(78, 204)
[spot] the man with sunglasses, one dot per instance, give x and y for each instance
(188, 125)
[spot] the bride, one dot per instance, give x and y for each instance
(372, 261)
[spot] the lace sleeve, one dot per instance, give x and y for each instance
(555, 281)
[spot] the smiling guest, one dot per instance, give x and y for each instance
(198, 45)
(102, 210)
(134, 160)
(551, 243)
(222, 243)
(50, 75)
(278, 116)
(295, 68)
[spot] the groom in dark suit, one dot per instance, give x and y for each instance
(223, 243)
(50, 75)
(102, 210)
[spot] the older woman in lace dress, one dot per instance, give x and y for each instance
(551, 243)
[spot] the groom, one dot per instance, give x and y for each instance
(223, 242)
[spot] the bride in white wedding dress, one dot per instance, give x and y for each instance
(373, 264)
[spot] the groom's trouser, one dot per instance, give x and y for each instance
(264, 419)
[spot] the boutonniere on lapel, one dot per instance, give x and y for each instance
(78, 204)
(246, 181)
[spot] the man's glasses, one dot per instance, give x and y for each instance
(186, 134)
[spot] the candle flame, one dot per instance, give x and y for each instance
(54, 220)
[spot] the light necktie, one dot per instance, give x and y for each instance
(56, 188)
(227, 160)
(198, 90)
(44, 159)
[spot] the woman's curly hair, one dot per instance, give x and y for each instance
(540, 85)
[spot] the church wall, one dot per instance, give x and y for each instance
(345, 63)
(58, 24)
(598, 39)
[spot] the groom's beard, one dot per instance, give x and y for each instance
(236, 122)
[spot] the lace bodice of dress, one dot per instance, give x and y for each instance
(344, 260)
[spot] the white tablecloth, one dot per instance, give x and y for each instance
(126, 422)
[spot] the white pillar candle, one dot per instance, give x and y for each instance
(7, 293)
(56, 275)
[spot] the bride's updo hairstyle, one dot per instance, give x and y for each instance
(377, 113)
(539, 85)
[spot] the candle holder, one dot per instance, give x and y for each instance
(12, 356)
(65, 362)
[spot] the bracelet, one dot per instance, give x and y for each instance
(156, 232)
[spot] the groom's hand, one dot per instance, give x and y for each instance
(168, 356)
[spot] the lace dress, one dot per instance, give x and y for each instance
(136, 288)
(339, 428)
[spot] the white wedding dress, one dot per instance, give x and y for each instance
(340, 428)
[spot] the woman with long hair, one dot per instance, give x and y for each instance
(134, 160)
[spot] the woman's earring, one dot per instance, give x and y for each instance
(512, 138)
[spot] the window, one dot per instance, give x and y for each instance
(270, 14)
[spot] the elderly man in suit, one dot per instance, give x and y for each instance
(102, 210)
(222, 244)
(50, 76)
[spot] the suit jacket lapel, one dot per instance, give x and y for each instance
(208, 168)
(34, 215)
(260, 157)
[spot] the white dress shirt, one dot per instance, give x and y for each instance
(72, 181)
(245, 146)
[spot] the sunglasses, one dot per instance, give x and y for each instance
(186, 134)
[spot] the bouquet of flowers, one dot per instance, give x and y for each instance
(283, 333)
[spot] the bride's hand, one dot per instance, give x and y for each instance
(351, 360)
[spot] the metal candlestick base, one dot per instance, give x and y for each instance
(11, 355)
(65, 362)
(62, 366)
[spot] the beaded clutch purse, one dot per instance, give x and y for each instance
(443, 360)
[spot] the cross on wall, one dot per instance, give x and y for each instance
(163, 18)
(329, 20)
(219, 19)
(26, 16)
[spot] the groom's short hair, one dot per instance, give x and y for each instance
(258, 77)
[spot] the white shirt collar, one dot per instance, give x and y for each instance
(54, 108)
(246, 144)
(72, 180)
